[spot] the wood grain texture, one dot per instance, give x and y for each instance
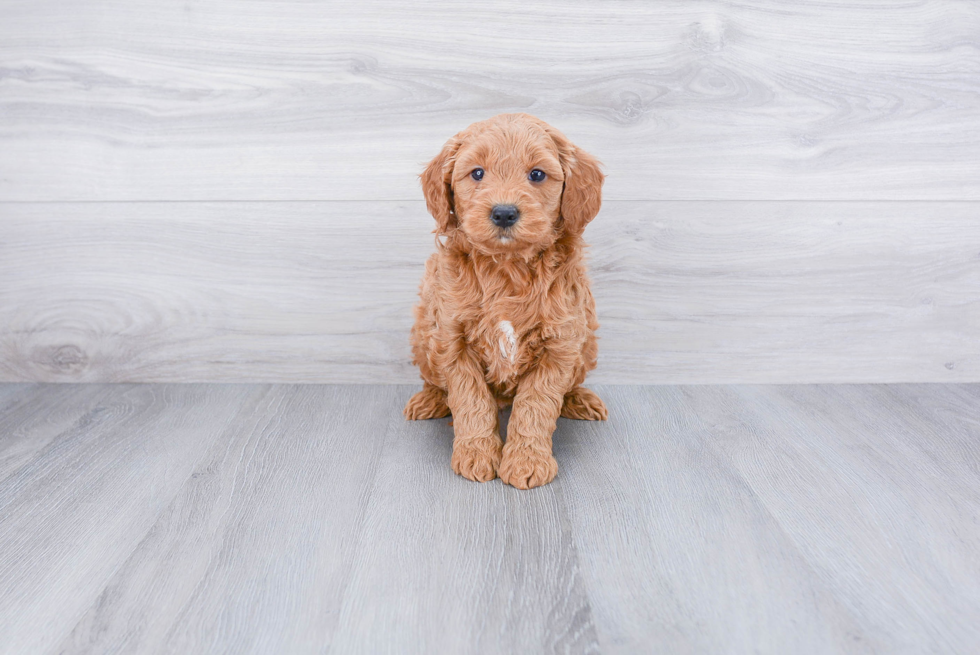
(863, 492)
(687, 292)
(775, 519)
(954, 408)
(448, 566)
(141, 100)
(305, 518)
(30, 421)
(678, 554)
(75, 510)
(254, 554)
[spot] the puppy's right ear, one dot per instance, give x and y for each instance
(437, 185)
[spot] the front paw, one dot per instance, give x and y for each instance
(525, 467)
(477, 459)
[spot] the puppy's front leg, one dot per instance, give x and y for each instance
(527, 460)
(477, 443)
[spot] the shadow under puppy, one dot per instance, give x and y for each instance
(506, 314)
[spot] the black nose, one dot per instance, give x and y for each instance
(504, 215)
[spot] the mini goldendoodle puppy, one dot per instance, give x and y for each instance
(506, 315)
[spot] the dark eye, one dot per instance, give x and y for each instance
(477, 174)
(537, 175)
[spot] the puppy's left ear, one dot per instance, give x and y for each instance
(437, 185)
(582, 195)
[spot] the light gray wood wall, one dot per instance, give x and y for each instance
(228, 191)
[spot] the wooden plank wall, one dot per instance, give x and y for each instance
(219, 191)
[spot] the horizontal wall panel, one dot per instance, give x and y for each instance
(687, 292)
(295, 100)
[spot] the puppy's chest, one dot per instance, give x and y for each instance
(509, 340)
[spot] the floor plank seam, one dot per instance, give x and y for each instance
(358, 533)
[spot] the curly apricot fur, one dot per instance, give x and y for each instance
(506, 314)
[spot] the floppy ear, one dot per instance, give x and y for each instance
(437, 185)
(582, 194)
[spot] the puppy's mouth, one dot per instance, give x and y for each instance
(504, 234)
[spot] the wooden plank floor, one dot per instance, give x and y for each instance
(301, 518)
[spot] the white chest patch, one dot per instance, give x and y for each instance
(508, 341)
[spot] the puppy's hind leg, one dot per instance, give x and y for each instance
(583, 404)
(428, 403)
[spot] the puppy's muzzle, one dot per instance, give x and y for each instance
(504, 215)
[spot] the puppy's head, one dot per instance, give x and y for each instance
(512, 184)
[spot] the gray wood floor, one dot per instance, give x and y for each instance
(300, 518)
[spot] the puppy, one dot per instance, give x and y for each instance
(506, 314)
